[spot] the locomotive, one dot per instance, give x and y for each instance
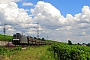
(19, 39)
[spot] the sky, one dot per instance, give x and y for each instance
(59, 20)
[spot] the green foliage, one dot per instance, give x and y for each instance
(72, 52)
(35, 38)
(88, 44)
(31, 37)
(3, 50)
(43, 39)
(34, 53)
(69, 42)
(7, 52)
(38, 38)
(78, 43)
(7, 38)
(17, 48)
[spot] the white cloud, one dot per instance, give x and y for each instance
(86, 10)
(50, 20)
(27, 10)
(7, 1)
(48, 16)
(13, 16)
(45, 12)
(27, 4)
(43, 8)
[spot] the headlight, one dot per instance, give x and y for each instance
(15, 39)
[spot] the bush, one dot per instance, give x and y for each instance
(69, 42)
(7, 52)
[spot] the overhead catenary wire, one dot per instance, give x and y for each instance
(20, 22)
(7, 13)
(12, 7)
(18, 15)
(4, 29)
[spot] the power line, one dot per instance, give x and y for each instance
(4, 30)
(7, 13)
(37, 30)
(13, 7)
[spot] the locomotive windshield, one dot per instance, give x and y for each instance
(18, 36)
(14, 36)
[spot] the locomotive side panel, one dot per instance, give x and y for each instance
(23, 40)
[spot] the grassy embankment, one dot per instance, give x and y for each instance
(7, 38)
(34, 53)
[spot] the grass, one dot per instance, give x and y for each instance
(6, 52)
(34, 53)
(7, 38)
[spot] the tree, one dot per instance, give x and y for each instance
(88, 44)
(39, 39)
(43, 39)
(78, 43)
(35, 38)
(69, 42)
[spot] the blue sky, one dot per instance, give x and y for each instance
(65, 6)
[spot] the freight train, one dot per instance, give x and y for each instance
(19, 39)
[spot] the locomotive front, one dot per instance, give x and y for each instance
(16, 39)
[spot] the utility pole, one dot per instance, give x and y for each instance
(4, 30)
(37, 30)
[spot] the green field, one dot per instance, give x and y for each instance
(33, 53)
(7, 38)
(56, 51)
(71, 52)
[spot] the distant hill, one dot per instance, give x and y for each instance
(7, 38)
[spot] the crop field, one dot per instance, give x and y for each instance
(56, 51)
(32, 53)
(71, 52)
